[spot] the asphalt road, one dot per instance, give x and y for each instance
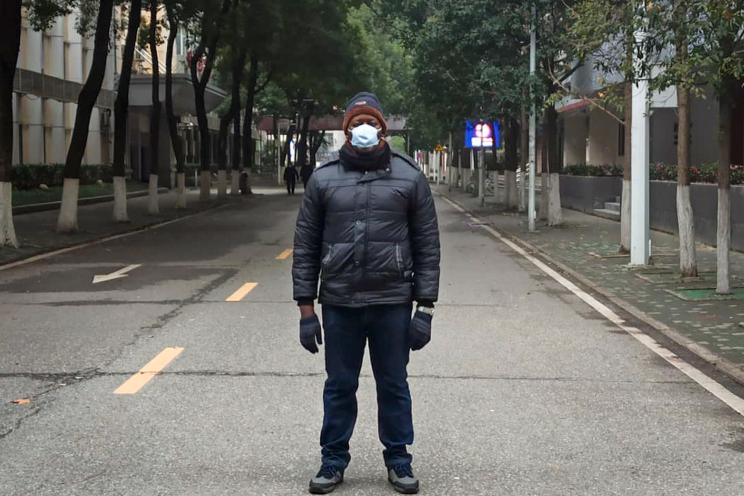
(524, 389)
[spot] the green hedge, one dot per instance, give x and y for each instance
(706, 173)
(31, 176)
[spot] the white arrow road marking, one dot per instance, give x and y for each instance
(115, 275)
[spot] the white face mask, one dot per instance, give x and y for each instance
(365, 136)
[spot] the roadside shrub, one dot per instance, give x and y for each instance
(30, 176)
(608, 170)
(705, 173)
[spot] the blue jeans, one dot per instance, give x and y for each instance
(346, 331)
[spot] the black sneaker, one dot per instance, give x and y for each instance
(326, 480)
(402, 479)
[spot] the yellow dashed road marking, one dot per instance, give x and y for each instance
(146, 373)
(244, 290)
(285, 254)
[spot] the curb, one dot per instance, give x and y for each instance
(53, 251)
(41, 207)
(720, 363)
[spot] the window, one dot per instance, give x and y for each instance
(621, 140)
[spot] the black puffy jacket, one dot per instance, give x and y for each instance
(372, 237)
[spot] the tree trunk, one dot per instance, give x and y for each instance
(511, 147)
(176, 142)
(723, 284)
(222, 156)
(685, 218)
(302, 147)
(627, 150)
(316, 143)
(524, 151)
(67, 220)
(204, 141)
(555, 212)
(152, 204)
(237, 76)
(10, 42)
(210, 36)
(302, 142)
(248, 155)
(121, 111)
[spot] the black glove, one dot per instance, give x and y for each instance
(310, 331)
(419, 332)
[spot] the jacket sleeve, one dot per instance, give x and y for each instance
(308, 241)
(424, 243)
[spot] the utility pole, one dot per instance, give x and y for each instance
(533, 121)
(640, 241)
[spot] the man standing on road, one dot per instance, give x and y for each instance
(290, 177)
(368, 228)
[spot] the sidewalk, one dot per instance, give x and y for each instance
(587, 247)
(36, 231)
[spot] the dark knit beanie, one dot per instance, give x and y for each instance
(364, 103)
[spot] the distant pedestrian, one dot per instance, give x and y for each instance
(368, 229)
(290, 177)
(305, 173)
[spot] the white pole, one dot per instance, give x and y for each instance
(278, 152)
(533, 123)
(481, 176)
(640, 249)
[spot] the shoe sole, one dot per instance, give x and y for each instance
(404, 490)
(324, 490)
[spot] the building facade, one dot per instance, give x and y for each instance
(52, 67)
(590, 135)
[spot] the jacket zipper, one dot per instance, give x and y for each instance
(324, 262)
(398, 258)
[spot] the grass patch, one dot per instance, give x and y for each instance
(706, 294)
(54, 193)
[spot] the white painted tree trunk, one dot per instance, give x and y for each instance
(498, 193)
(7, 230)
(120, 199)
(686, 226)
(181, 190)
(544, 194)
(235, 183)
(523, 188)
(205, 184)
(723, 285)
(67, 222)
(510, 189)
(555, 211)
(221, 184)
(625, 217)
(152, 196)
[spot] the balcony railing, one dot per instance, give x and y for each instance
(44, 86)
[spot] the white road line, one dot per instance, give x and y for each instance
(116, 274)
(715, 388)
